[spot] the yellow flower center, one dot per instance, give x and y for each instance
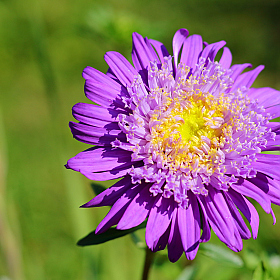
(191, 132)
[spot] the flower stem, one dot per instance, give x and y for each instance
(148, 262)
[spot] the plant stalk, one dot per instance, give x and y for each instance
(148, 263)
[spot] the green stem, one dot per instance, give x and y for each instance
(148, 262)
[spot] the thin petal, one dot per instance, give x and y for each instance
(142, 52)
(90, 73)
(93, 114)
(160, 48)
(237, 69)
(177, 43)
(273, 110)
(120, 66)
(206, 230)
(267, 97)
(264, 166)
(211, 50)
(189, 226)
(98, 116)
(247, 209)
(138, 209)
(246, 188)
(221, 220)
(239, 222)
(270, 186)
(226, 58)
(114, 173)
(247, 79)
(107, 175)
(272, 143)
(274, 126)
(118, 209)
(191, 49)
(268, 158)
(161, 243)
(158, 221)
(273, 217)
(175, 247)
(103, 94)
(110, 195)
(99, 159)
(95, 135)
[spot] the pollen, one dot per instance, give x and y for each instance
(190, 131)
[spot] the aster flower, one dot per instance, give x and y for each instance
(186, 134)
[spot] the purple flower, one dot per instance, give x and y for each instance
(186, 133)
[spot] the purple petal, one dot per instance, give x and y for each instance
(142, 52)
(220, 219)
(107, 175)
(226, 58)
(110, 195)
(120, 66)
(115, 173)
(191, 49)
(152, 55)
(92, 114)
(102, 94)
(271, 144)
(247, 209)
(268, 158)
(118, 209)
(189, 226)
(246, 188)
(264, 166)
(247, 79)
(239, 222)
(177, 43)
(99, 159)
(206, 230)
(274, 126)
(270, 186)
(95, 135)
(138, 209)
(272, 148)
(159, 220)
(211, 50)
(273, 110)
(237, 69)
(94, 75)
(273, 217)
(160, 48)
(267, 97)
(161, 243)
(175, 247)
(266, 169)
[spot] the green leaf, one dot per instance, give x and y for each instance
(221, 255)
(259, 272)
(251, 259)
(110, 234)
(97, 188)
(188, 273)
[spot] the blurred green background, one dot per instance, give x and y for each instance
(44, 46)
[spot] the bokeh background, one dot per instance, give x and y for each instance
(44, 46)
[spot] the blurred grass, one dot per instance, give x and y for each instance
(44, 46)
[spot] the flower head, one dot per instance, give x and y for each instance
(186, 133)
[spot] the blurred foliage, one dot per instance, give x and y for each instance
(44, 46)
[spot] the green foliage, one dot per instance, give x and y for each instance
(97, 188)
(221, 255)
(112, 233)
